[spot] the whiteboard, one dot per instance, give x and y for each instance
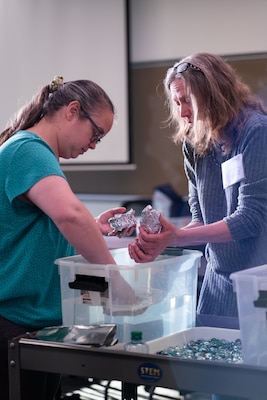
(78, 39)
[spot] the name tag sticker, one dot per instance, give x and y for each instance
(232, 171)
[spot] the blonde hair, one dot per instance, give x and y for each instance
(217, 95)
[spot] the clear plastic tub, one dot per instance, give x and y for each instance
(250, 286)
(164, 293)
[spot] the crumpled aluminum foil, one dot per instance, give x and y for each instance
(150, 220)
(122, 221)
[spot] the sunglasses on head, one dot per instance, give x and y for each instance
(183, 66)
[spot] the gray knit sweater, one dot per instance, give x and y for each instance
(243, 206)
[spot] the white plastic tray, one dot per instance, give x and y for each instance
(183, 337)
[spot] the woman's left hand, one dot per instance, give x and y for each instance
(104, 225)
(149, 245)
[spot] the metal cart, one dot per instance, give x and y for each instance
(134, 369)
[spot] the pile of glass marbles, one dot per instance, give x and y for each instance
(207, 349)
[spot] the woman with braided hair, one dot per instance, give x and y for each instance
(41, 218)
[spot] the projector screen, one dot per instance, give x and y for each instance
(78, 39)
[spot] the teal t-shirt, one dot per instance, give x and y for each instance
(29, 240)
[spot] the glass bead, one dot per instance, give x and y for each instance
(220, 350)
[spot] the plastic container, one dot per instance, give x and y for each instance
(250, 286)
(165, 293)
(184, 337)
(136, 344)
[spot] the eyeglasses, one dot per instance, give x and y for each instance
(183, 66)
(98, 133)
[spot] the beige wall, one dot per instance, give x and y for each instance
(173, 29)
(167, 29)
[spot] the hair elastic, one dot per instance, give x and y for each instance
(56, 84)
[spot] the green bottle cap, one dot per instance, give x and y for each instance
(136, 335)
